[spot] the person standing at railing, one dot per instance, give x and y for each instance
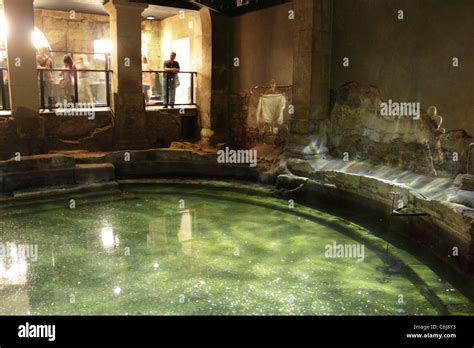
(6, 86)
(171, 68)
(84, 83)
(44, 62)
(66, 79)
(146, 79)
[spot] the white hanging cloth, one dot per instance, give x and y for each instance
(270, 109)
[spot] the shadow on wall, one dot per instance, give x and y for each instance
(364, 127)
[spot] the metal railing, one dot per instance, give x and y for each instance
(4, 89)
(91, 87)
(162, 88)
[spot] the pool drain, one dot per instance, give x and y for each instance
(403, 210)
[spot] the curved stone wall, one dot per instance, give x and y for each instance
(446, 227)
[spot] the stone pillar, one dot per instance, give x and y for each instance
(128, 102)
(23, 78)
(311, 77)
(204, 78)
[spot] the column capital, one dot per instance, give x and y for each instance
(112, 5)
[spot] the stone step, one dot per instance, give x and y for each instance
(94, 172)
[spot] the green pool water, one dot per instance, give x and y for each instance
(177, 250)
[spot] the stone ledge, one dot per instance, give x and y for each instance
(39, 162)
(63, 190)
(79, 168)
(94, 172)
(36, 178)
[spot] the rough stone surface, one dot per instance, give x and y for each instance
(356, 128)
(165, 126)
(467, 182)
(470, 163)
(455, 152)
(37, 163)
(299, 166)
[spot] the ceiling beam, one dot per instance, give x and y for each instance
(186, 5)
(230, 8)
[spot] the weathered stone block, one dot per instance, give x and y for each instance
(33, 163)
(33, 179)
(467, 182)
(94, 172)
(299, 126)
(298, 166)
(349, 181)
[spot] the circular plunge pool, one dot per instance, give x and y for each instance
(197, 250)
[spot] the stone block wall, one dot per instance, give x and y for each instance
(74, 132)
(238, 119)
(151, 36)
(72, 34)
(165, 126)
(8, 137)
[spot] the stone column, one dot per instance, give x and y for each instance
(204, 78)
(23, 78)
(311, 77)
(128, 102)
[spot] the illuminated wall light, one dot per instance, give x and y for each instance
(3, 27)
(38, 38)
(145, 49)
(146, 38)
(101, 48)
(166, 43)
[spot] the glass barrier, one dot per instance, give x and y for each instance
(161, 88)
(82, 60)
(59, 86)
